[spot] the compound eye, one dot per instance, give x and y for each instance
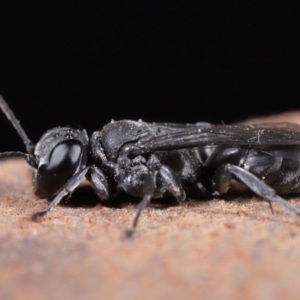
(63, 162)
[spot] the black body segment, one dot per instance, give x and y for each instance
(158, 160)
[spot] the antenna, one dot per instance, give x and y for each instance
(16, 123)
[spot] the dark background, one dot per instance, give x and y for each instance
(86, 64)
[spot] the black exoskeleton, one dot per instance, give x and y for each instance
(153, 160)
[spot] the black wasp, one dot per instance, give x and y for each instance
(158, 160)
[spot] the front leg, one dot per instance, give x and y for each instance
(100, 183)
(68, 188)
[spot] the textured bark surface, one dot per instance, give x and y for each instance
(213, 249)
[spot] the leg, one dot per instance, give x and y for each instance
(99, 183)
(69, 187)
(149, 189)
(260, 188)
(169, 182)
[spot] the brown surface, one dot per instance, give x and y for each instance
(289, 116)
(215, 249)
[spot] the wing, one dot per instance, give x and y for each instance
(261, 136)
